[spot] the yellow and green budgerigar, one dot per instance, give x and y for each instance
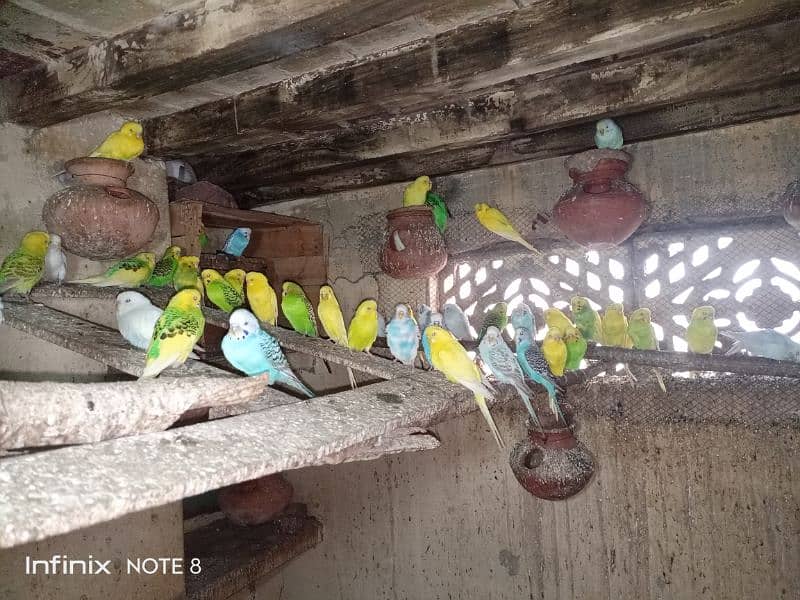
(262, 298)
(298, 310)
(496, 222)
(615, 327)
(127, 273)
(576, 348)
(416, 192)
(23, 268)
(236, 278)
(557, 320)
(449, 357)
(643, 336)
(126, 143)
(554, 351)
(701, 334)
(586, 319)
(187, 275)
(221, 293)
(164, 271)
(363, 328)
(330, 315)
(177, 330)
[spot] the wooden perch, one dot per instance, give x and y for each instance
(405, 439)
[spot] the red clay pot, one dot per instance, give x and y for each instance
(601, 210)
(256, 501)
(552, 464)
(414, 247)
(93, 170)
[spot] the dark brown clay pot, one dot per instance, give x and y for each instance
(791, 204)
(414, 247)
(101, 222)
(552, 464)
(256, 501)
(89, 170)
(601, 210)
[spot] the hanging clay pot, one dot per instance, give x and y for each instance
(551, 463)
(601, 210)
(92, 170)
(101, 222)
(414, 246)
(256, 501)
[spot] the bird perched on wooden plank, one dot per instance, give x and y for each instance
(554, 351)
(23, 268)
(615, 326)
(330, 315)
(608, 134)
(402, 335)
(236, 278)
(124, 144)
(535, 367)
(522, 318)
(766, 342)
(701, 334)
(456, 322)
(164, 271)
(576, 348)
(587, 319)
(237, 241)
(643, 336)
(222, 294)
(177, 331)
(127, 273)
(136, 318)
(496, 222)
(298, 310)
(254, 352)
(450, 357)
(187, 275)
(497, 316)
(436, 319)
(557, 320)
(363, 328)
(262, 298)
(55, 261)
(416, 192)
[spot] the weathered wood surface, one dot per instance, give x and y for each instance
(406, 439)
(50, 414)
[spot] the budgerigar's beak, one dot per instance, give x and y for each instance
(237, 331)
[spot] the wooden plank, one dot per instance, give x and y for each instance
(222, 216)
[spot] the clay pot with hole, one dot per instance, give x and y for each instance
(414, 247)
(92, 170)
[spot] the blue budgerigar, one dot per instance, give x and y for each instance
(423, 317)
(455, 321)
(765, 342)
(522, 318)
(535, 367)
(402, 335)
(237, 241)
(608, 134)
(501, 361)
(254, 352)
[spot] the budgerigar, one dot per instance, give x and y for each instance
(607, 134)
(330, 315)
(766, 342)
(298, 310)
(254, 351)
(236, 278)
(262, 298)
(522, 318)
(402, 335)
(497, 316)
(127, 273)
(23, 268)
(643, 336)
(586, 319)
(576, 348)
(496, 222)
(535, 367)
(423, 317)
(237, 241)
(416, 192)
(136, 318)
(187, 275)
(555, 319)
(55, 261)
(437, 319)
(363, 328)
(450, 357)
(220, 292)
(164, 271)
(177, 331)
(554, 351)
(381, 325)
(701, 334)
(503, 364)
(455, 321)
(124, 144)
(440, 210)
(615, 327)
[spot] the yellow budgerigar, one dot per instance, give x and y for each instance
(262, 298)
(330, 315)
(128, 273)
(187, 275)
(450, 357)
(557, 320)
(416, 193)
(363, 327)
(23, 268)
(554, 351)
(124, 144)
(615, 327)
(701, 334)
(496, 222)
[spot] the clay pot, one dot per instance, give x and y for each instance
(551, 463)
(414, 247)
(256, 501)
(601, 210)
(90, 170)
(791, 204)
(101, 222)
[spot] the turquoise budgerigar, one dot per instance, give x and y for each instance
(438, 320)
(522, 318)
(237, 241)
(402, 335)
(455, 321)
(535, 367)
(765, 342)
(501, 361)
(254, 352)
(608, 134)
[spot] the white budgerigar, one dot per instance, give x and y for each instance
(136, 318)
(55, 261)
(455, 321)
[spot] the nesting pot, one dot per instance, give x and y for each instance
(101, 222)
(91, 170)
(256, 501)
(414, 246)
(602, 209)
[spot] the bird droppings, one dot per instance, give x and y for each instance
(510, 561)
(390, 398)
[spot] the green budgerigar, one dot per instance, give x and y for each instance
(701, 334)
(127, 273)
(298, 310)
(643, 336)
(497, 316)
(576, 348)
(23, 268)
(222, 294)
(176, 332)
(586, 319)
(440, 210)
(164, 271)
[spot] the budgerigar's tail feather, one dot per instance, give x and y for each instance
(153, 368)
(660, 380)
(352, 378)
(481, 402)
(7, 285)
(291, 380)
(735, 349)
(527, 244)
(97, 280)
(526, 400)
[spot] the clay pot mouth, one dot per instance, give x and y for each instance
(410, 211)
(92, 170)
